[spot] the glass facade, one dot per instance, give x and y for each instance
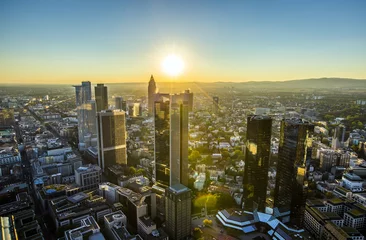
(257, 162)
(291, 181)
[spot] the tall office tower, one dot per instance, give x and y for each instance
(178, 212)
(215, 107)
(137, 109)
(91, 116)
(189, 98)
(83, 95)
(179, 139)
(338, 137)
(119, 103)
(171, 139)
(257, 162)
(291, 181)
(151, 92)
(162, 138)
(87, 92)
(111, 138)
(101, 97)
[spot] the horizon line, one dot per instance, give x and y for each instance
(252, 81)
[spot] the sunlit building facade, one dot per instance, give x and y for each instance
(101, 97)
(111, 138)
(291, 181)
(257, 162)
(171, 138)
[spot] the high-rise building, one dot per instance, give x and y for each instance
(83, 96)
(189, 98)
(151, 92)
(215, 104)
(291, 181)
(257, 162)
(171, 139)
(178, 212)
(162, 138)
(111, 138)
(179, 139)
(119, 103)
(101, 97)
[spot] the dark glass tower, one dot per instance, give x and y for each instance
(171, 139)
(291, 181)
(162, 138)
(215, 107)
(256, 162)
(101, 97)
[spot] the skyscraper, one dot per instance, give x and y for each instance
(291, 181)
(151, 92)
(178, 212)
(179, 139)
(119, 103)
(101, 97)
(83, 96)
(215, 104)
(256, 162)
(162, 138)
(111, 138)
(171, 138)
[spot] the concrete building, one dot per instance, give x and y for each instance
(111, 138)
(101, 97)
(88, 176)
(178, 211)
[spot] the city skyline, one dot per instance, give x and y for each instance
(125, 41)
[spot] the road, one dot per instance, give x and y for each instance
(216, 231)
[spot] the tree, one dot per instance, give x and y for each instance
(197, 233)
(132, 170)
(194, 156)
(207, 222)
(208, 160)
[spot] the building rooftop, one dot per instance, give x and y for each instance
(178, 188)
(79, 197)
(147, 221)
(356, 213)
(336, 201)
(352, 177)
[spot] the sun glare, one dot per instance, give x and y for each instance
(173, 65)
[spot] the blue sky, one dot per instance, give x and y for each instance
(125, 41)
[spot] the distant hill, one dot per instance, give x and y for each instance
(310, 83)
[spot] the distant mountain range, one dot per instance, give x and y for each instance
(307, 83)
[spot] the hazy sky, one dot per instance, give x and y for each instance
(67, 41)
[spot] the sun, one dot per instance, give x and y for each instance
(173, 65)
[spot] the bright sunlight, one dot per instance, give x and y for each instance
(173, 65)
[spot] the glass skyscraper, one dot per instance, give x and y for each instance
(291, 181)
(257, 162)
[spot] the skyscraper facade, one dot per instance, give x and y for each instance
(83, 96)
(215, 106)
(179, 139)
(171, 138)
(178, 211)
(101, 97)
(162, 138)
(111, 138)
(151, 97)
(291, 181)
(257, 162)
(118, 103)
